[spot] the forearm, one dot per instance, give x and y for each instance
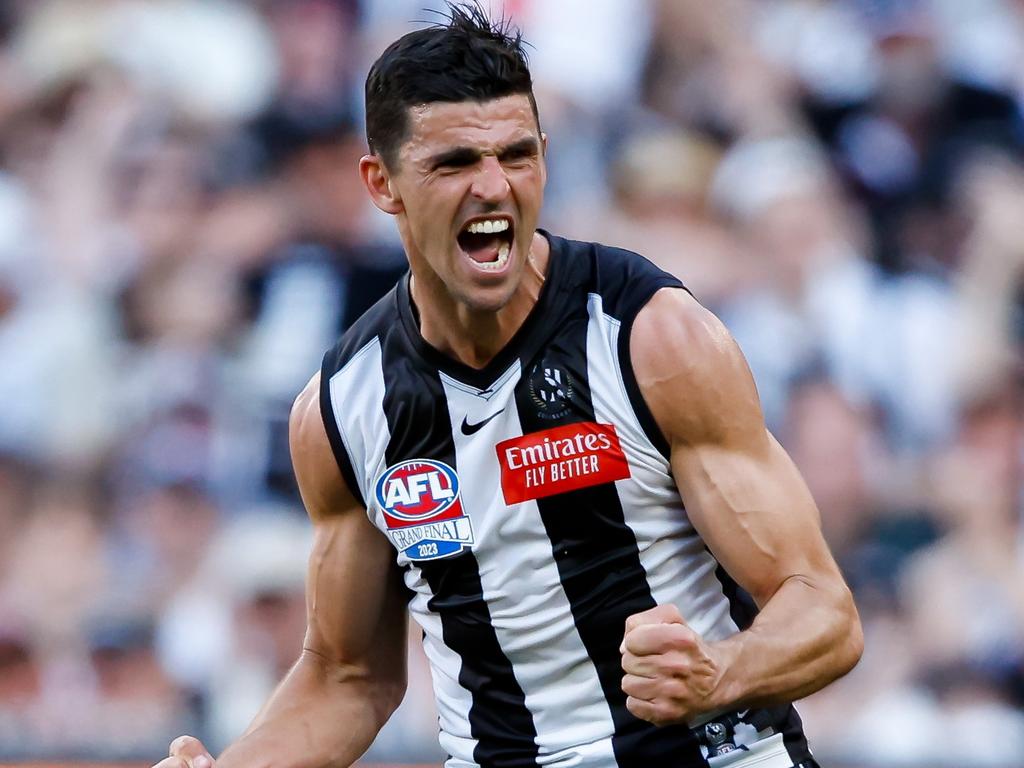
(806, 636)
(320, 716)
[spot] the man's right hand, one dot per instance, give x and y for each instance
(187, 752)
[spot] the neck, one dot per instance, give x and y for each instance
(474, 337)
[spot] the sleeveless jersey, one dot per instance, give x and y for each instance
(532, 508)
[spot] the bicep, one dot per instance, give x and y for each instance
(742, 492)
(355, 600)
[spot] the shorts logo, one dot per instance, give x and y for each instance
(422, 509)
(551, 390)
(559, 460)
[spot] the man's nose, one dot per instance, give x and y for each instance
(490, 183)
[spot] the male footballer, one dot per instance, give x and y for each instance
(552, 457)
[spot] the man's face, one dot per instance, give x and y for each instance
(471, 179)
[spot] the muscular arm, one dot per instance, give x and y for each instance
(748, 502)
(351, 673)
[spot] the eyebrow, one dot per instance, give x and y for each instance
(461, 156)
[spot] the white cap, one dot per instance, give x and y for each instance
(756, 173)
(263, 552)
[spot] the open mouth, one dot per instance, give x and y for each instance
(488, 242)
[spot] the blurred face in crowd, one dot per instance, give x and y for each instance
(164, 198)
(20, 675)
(330, 204)
(978, 479)
(271, 623)
(467, 192)
(911, 79)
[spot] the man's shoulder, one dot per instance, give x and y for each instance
(607, 256)
(690, 369)
(624, 280)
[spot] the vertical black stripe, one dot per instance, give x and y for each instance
(597, 556)
(417, 414)
(792, 728)
(742, 607)
(783, 719)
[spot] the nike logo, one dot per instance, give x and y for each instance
(471, 429)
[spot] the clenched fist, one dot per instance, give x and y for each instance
(671, 674)
(187, 752)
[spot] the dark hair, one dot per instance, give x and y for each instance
(468, 57)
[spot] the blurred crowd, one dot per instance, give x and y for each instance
(183, 233)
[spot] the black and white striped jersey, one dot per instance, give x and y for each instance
(532, 508)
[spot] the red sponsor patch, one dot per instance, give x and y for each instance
(561, 459)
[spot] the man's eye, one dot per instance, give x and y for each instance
(518, 158)
(455, 163)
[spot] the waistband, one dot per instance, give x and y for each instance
(718, 737)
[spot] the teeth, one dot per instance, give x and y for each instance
(498, 263)
(488, 226)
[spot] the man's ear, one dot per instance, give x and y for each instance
(383, 191)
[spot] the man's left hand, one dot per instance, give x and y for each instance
(671, 673)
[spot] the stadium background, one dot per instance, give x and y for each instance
(182, 234)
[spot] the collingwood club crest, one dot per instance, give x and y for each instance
(550, 390)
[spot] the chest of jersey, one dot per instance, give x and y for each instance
(532, 509)
(480, 468)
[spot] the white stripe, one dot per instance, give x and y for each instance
(767, 753)
(679, 569)
(357, 398)
(529, 610)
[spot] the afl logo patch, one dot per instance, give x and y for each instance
(551, 390)
(422, 509)
(418, 489)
